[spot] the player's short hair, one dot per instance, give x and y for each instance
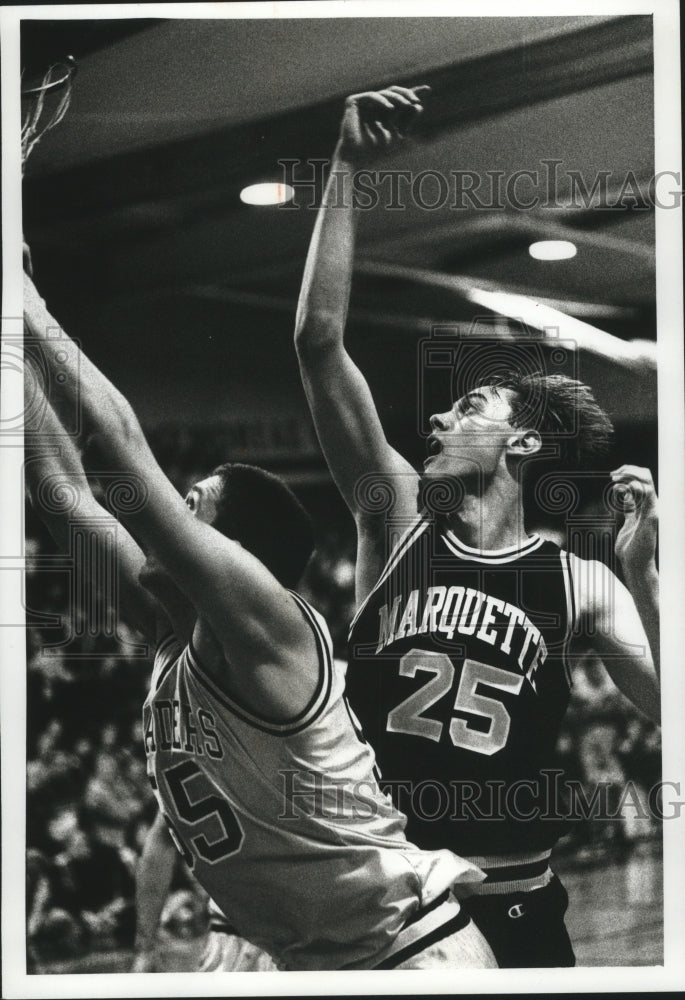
(257, 509)
(563, 411)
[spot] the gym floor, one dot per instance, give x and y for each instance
(615, 914)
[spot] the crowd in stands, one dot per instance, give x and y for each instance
(89, 803)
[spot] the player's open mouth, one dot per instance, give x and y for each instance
(434, 447)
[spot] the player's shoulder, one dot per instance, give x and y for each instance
(168, 646)
(316, 622)
(585, 568)
(595, 584)
(167, 650)
(392, 488)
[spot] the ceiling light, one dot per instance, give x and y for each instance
(575, 333)
(267, 194)
(552, 250)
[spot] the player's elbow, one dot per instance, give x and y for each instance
(118, 433)
(318, 335)
(115, 419)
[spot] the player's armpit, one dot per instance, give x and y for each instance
(610, 624)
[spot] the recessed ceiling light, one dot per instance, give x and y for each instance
(552, 250)
(267, 194)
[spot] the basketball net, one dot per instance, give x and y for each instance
(38, 118)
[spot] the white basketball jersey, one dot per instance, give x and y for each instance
(284, 823)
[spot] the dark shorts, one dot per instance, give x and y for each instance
(525, 930)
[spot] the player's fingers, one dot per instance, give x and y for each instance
(642, 493)
(624, 498)
(637, 479)
(413, 94)
(368, 132)
(406, 113)
(625, 472)
(396, 98)
(384, 134)
(371, 99)
(405, 118)
(408, 119)
(636, 499)
(630, 480)
(632, 470)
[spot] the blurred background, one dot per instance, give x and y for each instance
(184, 295)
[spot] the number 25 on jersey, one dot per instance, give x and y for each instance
(408, 717)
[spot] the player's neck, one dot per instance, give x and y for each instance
(490, 520)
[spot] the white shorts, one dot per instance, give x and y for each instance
(441, 936)
(230, 953)
(466, 949)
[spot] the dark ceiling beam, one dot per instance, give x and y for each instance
(45, 41)
(213, 167)
(472, 238)
(435, 297)
(541, 71)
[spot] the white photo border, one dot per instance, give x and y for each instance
(671, 412)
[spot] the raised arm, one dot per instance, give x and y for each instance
(261, 630)
(60, 495)
(83, 389)
(343, 409)
(268, 648)
(636, 548)
(622, 644)
(621, 624)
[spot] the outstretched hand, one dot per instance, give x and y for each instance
(636, 541)
(375, 121)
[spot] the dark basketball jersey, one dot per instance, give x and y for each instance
(458, 674)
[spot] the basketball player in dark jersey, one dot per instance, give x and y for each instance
(461, 652)
(252, 753)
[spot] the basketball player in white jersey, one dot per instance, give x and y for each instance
(60, 472)
(268, 790)
(461, 651)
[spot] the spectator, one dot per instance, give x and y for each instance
(95, 887)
